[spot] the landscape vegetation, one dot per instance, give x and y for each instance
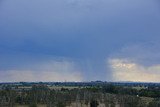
(80, 94)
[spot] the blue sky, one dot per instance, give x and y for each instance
(80, 40)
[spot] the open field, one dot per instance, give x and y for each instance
(60, 87)
(39, 105)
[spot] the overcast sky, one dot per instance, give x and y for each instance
(80, 40)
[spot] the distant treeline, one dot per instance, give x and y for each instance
(145, 92)
(92, 83)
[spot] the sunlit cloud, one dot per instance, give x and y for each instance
(126, 70)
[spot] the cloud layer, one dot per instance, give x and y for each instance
(34, 34)
(125, 70)
(137, 62)
(52, 71)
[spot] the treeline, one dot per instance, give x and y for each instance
(108, 95)
(153, 92)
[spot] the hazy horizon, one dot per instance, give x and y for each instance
(80, 40)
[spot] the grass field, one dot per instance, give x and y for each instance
(60, 87)
(39, 105)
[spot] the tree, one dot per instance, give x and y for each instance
(94, 103)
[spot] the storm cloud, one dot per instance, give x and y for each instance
(79, 35)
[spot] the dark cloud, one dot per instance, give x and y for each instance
(84, 31)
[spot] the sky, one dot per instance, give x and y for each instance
(79, 40)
